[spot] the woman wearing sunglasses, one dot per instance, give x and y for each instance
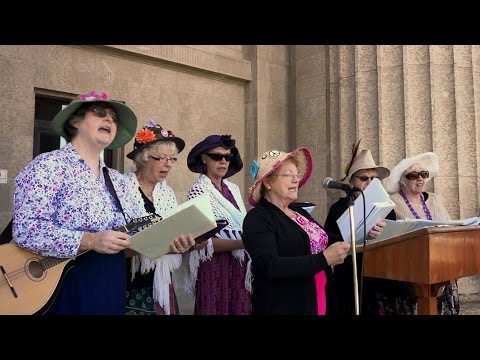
(407, 186)
(378, 296)
(218, 267)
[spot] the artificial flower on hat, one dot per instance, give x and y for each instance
(271, 161)
(152, 133)
(194, 158)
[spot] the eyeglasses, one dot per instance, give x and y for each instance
(164, 159)
(219, 157)
(414, 175)
(365, 178)
(292, 176)
(101, 112)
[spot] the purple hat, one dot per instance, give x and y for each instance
(151, 134)
(194, 159)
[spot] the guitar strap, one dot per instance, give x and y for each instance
(6, 236)
(108, 182)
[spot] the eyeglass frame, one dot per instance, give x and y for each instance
(164, 159)
(292, 176)
(414, 175)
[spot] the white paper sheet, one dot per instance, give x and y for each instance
(194, 216)
(400, 227)
(378, 206)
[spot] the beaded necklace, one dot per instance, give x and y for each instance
(412, 210)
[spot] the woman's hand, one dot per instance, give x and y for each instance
(105, 242)
(201, 245)
(182, 243)
(377, 230)
(337, 252)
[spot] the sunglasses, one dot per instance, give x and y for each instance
(164, 159)
(101, 112)
(219, 157)
(365, 178)
(414, 175)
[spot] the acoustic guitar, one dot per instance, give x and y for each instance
(30, 282)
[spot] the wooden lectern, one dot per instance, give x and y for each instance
(429, 257)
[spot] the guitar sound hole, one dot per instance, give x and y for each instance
(35, 269)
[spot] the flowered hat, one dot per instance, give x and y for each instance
(271, 161)
(428, 160)
(127, 120)
(150, 134)
(194, 159)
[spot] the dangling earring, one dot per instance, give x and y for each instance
(268, 187)
(204, 168)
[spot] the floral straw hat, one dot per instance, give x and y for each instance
(429, 160)
(127, 120)
(194, 159)
(271, 161)
(150, 134)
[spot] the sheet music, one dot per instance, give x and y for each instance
(400, 227)
(378, 206)
(194, 216)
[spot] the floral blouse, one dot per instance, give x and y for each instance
(57, 198)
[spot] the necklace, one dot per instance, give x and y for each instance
(412, 210)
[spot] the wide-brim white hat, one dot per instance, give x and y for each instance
(428, 160)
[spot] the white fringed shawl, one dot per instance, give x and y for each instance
(165, 202)
(222, 209)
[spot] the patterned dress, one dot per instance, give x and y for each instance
(57, 198)
(221, 280)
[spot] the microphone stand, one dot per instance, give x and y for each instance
(350, 203)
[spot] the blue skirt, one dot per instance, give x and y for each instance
(95, 285)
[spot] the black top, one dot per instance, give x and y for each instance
(282, 265)
(343, 273)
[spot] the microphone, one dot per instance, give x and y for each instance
(329, 183)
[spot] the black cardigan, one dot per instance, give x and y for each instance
(283, 267)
